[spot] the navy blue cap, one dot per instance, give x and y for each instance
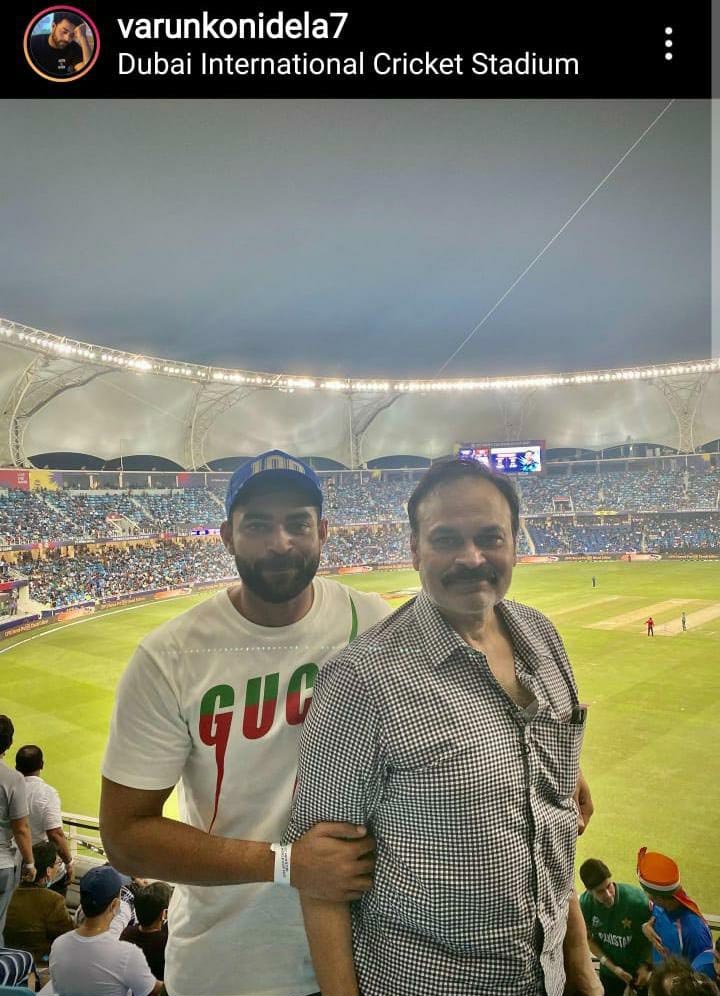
(100, 885)
(274, 464)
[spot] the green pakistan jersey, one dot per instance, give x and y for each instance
(617, 928)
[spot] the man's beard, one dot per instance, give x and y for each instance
(280, 588)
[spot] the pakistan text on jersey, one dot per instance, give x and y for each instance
(616, 940)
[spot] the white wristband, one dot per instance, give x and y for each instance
(282, 863)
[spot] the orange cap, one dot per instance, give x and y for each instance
(660, 873)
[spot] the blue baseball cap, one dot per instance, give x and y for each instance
(98, 887)
(273, 465)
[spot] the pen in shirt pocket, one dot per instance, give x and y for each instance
(579, 714)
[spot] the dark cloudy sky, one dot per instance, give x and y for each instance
(360, 237)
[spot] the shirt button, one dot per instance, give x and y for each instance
(528, 748)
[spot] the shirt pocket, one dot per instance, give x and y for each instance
(557, 744)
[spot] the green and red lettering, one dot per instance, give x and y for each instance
(299, 694)
(214, 730)
(258, 721)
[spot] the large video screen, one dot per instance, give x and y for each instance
(506, 458)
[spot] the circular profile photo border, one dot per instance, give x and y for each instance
(38, 17)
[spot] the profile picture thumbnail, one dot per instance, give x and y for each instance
(61, 44)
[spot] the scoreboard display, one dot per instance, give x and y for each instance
(506, 458)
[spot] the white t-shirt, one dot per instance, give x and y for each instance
(216, 703)
(44, 812)
(13, 806)
(98, 966)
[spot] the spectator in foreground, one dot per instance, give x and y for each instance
(37, 915)
(675, 977)
(45, 813)
(677, 926)
(14, 827)
(708, 962)
(150, 932)
(614, 915)
(90, 959)
(15, 967)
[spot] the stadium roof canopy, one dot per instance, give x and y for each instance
(64, 395)
(358, 253)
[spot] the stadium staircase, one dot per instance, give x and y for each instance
(123, 525)
(218, 501)
(26, 606)
(526, 533)
(57, 510)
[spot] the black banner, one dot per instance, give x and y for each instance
(564, 49)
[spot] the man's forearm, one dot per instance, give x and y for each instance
(581, 978)
(157, 847)
(595, 947)
(23, 839)
(329, 934)
(58, 838)
(576, 931)
(85, 49)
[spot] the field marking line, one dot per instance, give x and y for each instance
(694, 619)
(582, 605)
(615, 622)
(78, 622)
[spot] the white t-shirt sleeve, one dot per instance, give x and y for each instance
(149, 739)
(120, 921)
(52, 813)
(371, 609)
(138, 977)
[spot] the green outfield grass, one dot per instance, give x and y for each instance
(653, 736)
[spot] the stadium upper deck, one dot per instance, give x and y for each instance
(49, 516)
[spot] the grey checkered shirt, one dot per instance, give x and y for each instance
(468, 796)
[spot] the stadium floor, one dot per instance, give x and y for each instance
(653, 734)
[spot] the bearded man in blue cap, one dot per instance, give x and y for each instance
(214, 701)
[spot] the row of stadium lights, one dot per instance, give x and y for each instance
(141, 364)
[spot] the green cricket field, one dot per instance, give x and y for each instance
(653, 735)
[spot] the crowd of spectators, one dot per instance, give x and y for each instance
(561, 536)
(112, 570)
(373, 500)
(50, 516)
(368, 525)
(686, 534)
(627, 491)
(115, 939)
(646, 534)
(113, 942)
(385, 543)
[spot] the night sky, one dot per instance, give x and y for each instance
(360, 238)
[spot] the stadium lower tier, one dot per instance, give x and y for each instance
(72, 573)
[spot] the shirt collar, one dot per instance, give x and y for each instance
(447, 642)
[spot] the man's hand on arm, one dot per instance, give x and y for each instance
(139, 840)
(649, 931)
(332, 861)
(581, 979)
